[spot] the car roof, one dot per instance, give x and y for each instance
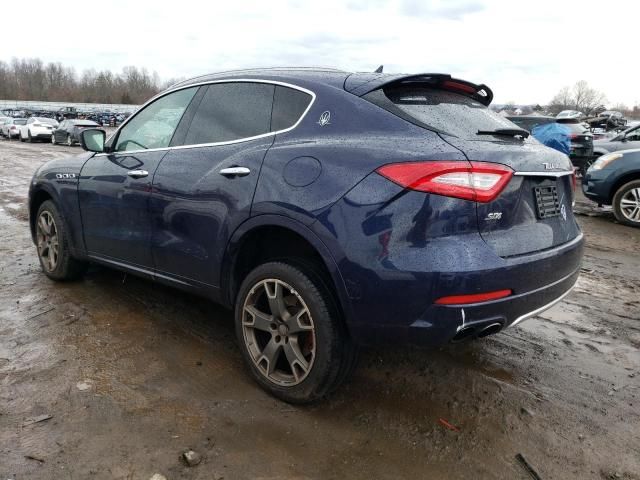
(358, 83)
(328, 76)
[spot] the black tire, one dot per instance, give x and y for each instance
(618, 197)
(21, 138)
(334, 355)
(66, 267)
(29, 137)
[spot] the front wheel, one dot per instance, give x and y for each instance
(626, 204)
(290, 332)
(69, 141)
(52, 242)
(53, 139)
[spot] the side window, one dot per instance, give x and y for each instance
(231, 111)
(634, 135)
(288, 106)
(153, 127)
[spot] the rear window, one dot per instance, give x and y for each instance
(439, 110)
(574, 127)
(20, 121)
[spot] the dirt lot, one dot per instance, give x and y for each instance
(133, 373)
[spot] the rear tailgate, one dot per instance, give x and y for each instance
(534, 212)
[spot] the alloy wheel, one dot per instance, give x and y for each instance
(279, 332)
(630, 205)
(47, 241)
(69, 142)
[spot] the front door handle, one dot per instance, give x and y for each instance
(137, 173)
(235, 172)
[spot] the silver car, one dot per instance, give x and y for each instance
(625, 140)
(11, 128)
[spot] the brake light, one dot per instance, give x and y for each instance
(473, 298)
(573, 136)
(448, 84)
(574, 181)
(476, 181)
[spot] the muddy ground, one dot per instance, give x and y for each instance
(133, 373)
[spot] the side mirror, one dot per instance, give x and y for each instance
(92, 140)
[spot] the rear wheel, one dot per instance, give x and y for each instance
(626, 204)
(53, 245)
(21, 137)
(291, 334)
(29, 137)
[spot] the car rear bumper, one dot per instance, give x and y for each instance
(441, 324)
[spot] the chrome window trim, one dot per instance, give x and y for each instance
(543, 174)
(214, 144)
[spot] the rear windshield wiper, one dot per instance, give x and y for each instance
(511, 132)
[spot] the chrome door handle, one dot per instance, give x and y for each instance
(137, 173)
(235, 172)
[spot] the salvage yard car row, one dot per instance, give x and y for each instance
(44, 129)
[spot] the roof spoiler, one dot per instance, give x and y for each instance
(363, 83)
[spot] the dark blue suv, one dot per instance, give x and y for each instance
(329, 209)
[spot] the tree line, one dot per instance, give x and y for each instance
(583, 98)
(32, 79)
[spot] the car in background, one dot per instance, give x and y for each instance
(614, 179)
(37, 128)
(3, 120)
(570, 114)
(283, 193)
(11, 129)
(529, 122)
(68, 132)
(625, 140)
(580, 136)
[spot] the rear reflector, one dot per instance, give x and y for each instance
(477, 181)
(473, 298)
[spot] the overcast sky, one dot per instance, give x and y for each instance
(525, 51)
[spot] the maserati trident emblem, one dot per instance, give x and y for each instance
(325, 119)
(550, 166)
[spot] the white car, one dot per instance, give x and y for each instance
(37, 128)
(3, 120)
(10, 129)
(570, 114)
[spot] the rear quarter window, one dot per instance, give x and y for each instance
(440, 110)
(288, 107)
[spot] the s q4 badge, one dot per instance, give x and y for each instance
(325, 118)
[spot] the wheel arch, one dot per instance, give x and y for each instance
(269, 237)
(624, 179)
(38, 196)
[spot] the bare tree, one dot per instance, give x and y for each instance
(580, 97)
(587, 99)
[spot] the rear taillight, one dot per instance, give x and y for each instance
(573, 181)
(477, 181)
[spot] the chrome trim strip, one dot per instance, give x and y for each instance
(526, 316)
(230, 142)
(542, 174)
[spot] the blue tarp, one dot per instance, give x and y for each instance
(554, 135)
